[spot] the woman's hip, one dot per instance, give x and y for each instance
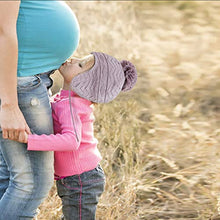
(33, 100)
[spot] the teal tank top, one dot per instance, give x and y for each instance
(48, 34)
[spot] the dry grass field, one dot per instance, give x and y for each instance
(160, 142)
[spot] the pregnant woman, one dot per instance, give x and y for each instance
(36, 37)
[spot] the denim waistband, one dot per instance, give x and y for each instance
(46, 73)
(39, 74)
(45, 77)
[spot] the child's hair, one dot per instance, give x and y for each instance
(105, 80)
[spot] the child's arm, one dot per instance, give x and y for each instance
(67, 140)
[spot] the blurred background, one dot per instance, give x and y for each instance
(160, 142)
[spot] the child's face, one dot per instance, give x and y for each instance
(74, 66)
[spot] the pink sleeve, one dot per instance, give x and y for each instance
(67, 140)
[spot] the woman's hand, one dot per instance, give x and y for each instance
(23, 138)
(13, 124)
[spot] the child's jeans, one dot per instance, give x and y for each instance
(80, 194)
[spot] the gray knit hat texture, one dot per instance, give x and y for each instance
(105, 80)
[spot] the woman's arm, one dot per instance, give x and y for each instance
(12, 121)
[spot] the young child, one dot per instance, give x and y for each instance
(97, 78)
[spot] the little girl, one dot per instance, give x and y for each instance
(96, 78)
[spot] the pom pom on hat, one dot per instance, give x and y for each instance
(130, 75)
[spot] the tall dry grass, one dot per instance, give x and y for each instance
(160, 142)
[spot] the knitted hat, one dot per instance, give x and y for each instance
(105, 80)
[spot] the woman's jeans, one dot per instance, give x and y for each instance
(27, 176)
(80, 194)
